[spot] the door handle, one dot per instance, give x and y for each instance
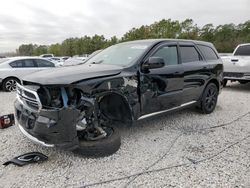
(234, 60)
(178, 73)
(205, 67)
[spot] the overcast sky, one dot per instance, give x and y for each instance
(52, 21)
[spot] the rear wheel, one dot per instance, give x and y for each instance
(10, 84)
(100, 147)
(209, 98)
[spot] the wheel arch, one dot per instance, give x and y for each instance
(116, 107)
(11, 77)
(215, 81)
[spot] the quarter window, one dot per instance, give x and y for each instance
(169, 54)
(189, 54)
(17, 64)
(208, 52)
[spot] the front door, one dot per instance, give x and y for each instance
(161, 88)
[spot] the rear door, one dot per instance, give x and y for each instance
(196, 71)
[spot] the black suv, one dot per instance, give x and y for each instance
(78, 107)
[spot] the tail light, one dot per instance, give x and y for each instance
(7, 121)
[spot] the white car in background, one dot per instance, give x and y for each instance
(79, 60)
(58, 61)
(73, 61)
(13, 69)
(237, 66)
(47, 55)
(225, 55)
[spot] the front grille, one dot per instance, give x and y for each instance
(28, 98)
(233, 74)
(30, 95)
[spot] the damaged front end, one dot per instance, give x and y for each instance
(57, 115)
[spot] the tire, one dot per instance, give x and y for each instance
(9, 84)
(243, 82)
(100, 148)
(224, 83)
(209, 98)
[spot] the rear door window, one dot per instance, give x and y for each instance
(189, 54)
(44, 63)
(29, 63)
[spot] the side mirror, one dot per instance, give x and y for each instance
(154, 63)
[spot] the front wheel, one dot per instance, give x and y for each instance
(10, 84)
(209, 98)
(101, 147)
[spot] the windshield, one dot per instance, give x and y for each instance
(120, 54)
(243, 50)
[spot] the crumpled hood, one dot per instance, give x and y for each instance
(68, 75)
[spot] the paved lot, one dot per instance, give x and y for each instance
(181, 149)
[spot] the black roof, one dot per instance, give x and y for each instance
(155, 41)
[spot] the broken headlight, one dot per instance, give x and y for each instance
(50, 97)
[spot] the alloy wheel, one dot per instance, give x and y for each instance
(211, 98)
(10, 85)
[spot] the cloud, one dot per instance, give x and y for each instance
(46, 22)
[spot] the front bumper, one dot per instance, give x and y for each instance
(48, 127)
(234, 76)
(34, 139)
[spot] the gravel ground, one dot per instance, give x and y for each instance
(180, 149)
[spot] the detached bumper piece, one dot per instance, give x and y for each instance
(33, 157)
(7, 121)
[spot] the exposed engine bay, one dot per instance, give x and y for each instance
(88, 123)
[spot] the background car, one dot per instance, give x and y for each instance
(237, 66)
(225, 55)
(47, 55)
(13, 69)
(78, 60)
(74, 61)
(58, 61)
(65, 58)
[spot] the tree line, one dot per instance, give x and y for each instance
(225, 37)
